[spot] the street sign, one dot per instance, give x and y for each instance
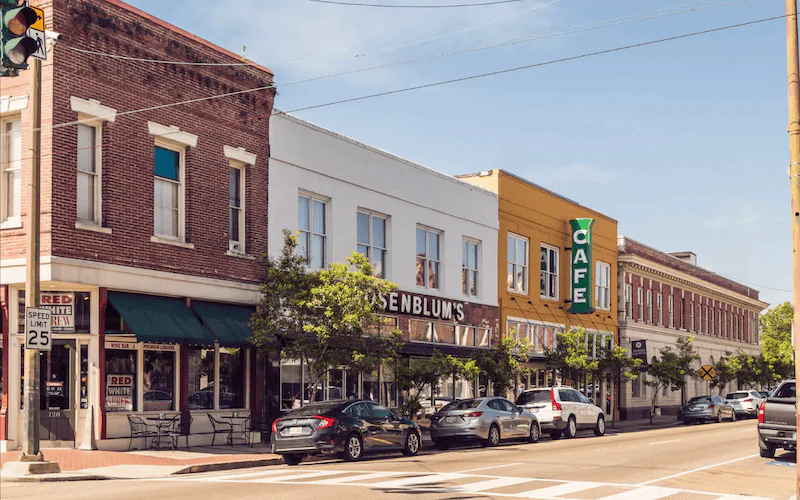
(707, 372)
(36, 31)
(37, 329)
(639, 350)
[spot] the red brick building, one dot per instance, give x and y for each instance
(142, 204)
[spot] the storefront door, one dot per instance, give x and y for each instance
(57, 417)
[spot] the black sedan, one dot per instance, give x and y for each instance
(348, 428)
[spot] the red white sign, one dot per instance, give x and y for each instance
(62, 307)
(119, 392)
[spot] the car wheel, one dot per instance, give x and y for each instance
(571, 429)
(719, 417)
(535, 433)
(733, 417)
(412, 445)
(686, 421)
(353, 448)
(600, 428)
(766, 450)
(555, 435)
(293, 459)
(494, 436)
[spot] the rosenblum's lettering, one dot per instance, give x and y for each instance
(429, 307)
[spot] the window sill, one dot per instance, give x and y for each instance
(87, 226)
(240, 255)
(12, 223)
(517, 292)
(175, 243)
(543, 297)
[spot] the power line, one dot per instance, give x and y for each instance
(410, 6)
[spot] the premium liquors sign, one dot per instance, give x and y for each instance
(581, 266)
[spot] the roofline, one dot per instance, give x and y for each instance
(182, 32)
(621, 238)
(544, 189)
(318, 128)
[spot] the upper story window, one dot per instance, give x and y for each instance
(649, 306)
(603, 286)
(548, 279)
(670, 311)
(683, 314)
(639, 304)
(517, 263)
(711, 323)
(691, 317)
(628, 302)
(312, 223)
(659, 309)
(89, 192)
(428, 257)
(10, 170)
(371, 242)
(469, 267)
(236, 213)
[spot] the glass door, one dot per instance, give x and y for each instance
(57, 392)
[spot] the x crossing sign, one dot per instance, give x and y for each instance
(707, 372)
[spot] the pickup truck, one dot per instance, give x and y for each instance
(777, 421)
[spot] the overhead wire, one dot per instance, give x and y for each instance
(416, 6)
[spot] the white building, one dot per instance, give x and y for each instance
(433, 235)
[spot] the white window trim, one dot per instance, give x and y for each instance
(526, 277)
(628, 301)
(10, 104)
(97, 223)
(371, 245)
(556, 275)
(599, 265)
(7, 222)
(477, 243)
(671, 308)
(326, 248)
(427, 230)
(650, 306)
(92, 110)
(181, 239)
(241, 243)
(239, 155)
(660, 309)
(172, 134)
(640, 304)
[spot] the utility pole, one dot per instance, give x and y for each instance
(30, 442)
(794, 174)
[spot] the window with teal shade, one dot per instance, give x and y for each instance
(167, 163)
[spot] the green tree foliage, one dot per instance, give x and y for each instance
(618, 364)
(504, 364)
(571, 357)
(725, 372)
(414, 377)
(672, 368)
(776, 341)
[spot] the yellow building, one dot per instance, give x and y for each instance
(536, 296)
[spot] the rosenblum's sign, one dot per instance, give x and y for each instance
(428, 307)
(581, 265)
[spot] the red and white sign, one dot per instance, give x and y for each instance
(119, 392)
(62, 307)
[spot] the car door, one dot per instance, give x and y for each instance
(587, 411)
(519, 425)
(370, 426)
(505, 417)
(392, 429)
(568, 405)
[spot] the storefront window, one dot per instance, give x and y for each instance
(201, 378)
(159, 381)
(121, 392)
(370, 386)
(335, 384)
(465, 389)
(291, 384)
(484, 337)
(71, 311)
(388, 388)
(465, 336)
(444, 333)
(351, 384)
(231, 374)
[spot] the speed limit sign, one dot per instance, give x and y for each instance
(37, 329)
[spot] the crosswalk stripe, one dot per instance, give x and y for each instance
(740, 497)
(228, 477)
(295, 477)
(493, 484)
(413, 481)
(561, 489)
(644, 493)
(358, 477)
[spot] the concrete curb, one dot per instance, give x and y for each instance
(221, 466)
(51, 478)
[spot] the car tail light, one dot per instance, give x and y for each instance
(274, 424)
(761, 413)
(556, 405)
(710, 407)
(325, 422)
(748, 400)
(473, 414)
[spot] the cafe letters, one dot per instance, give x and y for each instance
(429, 307)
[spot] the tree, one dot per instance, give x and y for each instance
(616, 362)
(502, 365)
(571, 356)
(672, 369)
(725, 372)
(414, 377)
(776, 341)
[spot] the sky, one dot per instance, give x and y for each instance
(683, 142)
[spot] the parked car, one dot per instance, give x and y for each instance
(428, 407)
(489, 420)
(349, 428)
(777, 425)
(563, 411)
(706, 409)
(745, 403)
(157, 401)
(765, 394)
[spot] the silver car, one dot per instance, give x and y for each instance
(489, 420)
(745, 402)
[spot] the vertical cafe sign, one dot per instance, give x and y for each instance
(581, 265)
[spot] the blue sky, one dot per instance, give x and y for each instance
(684, 143)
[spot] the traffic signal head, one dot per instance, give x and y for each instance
(15, 45)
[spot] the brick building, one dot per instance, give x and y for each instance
(152, 223)
(663, 297)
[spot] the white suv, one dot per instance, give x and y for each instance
(563, 411)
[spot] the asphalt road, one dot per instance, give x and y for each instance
(712, 461)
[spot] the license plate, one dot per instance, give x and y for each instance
(450, 420)
(794, 436)
(534, 410)
(295, 431)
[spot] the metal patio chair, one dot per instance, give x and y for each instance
(140, 430)
(220, 428)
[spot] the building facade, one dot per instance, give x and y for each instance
(431, 234)
(663, 297)
(537, 297)
(152, 222)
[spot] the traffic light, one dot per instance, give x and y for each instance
(15, 45)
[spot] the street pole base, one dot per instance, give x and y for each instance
(31, 458)
(30, 468)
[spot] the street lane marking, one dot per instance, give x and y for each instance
(718, 464)
(229, 476)
(561, 489)
(295, 477)
(665, 442)
(487, 468)
(418, 480)
(492, 484)
(644, 493)
(353, 479)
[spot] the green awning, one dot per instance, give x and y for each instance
(160, 319)
(230, 324)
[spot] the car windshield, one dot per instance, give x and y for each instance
(787, 390)
(464, 404)
(737, 395)
(316, 409)
(701, 399)
(534, 397)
